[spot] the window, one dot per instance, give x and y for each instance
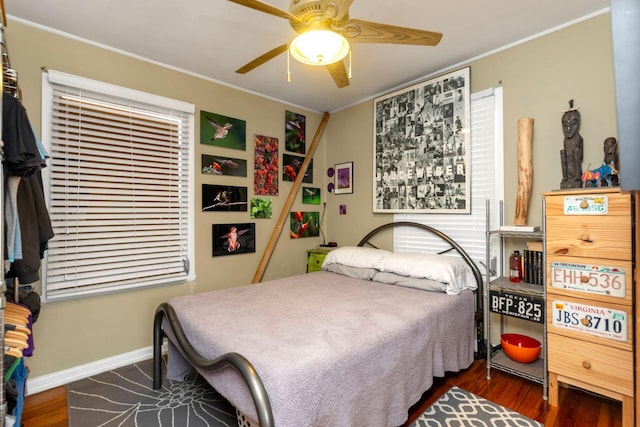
(486, 183)
(119, 187)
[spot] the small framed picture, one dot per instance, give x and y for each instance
(232, 239)
(311, 195)
(343, 178)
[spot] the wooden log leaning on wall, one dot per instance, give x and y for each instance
(266, 256)
(525, 170)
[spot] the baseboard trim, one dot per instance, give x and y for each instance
(66, 376)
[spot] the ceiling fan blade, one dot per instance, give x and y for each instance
(262, 59)
(373, 32)
(343, 7)
(263, 7)
(339, 73)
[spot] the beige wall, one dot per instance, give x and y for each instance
(80, 331)
(538, 78)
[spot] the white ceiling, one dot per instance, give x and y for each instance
(212, 38)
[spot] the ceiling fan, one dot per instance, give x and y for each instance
(332, 16)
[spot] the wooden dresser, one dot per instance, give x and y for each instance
(590, 283)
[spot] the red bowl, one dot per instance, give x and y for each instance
(520, 348)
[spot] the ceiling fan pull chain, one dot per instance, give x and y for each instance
(349, 64)
(288, 69)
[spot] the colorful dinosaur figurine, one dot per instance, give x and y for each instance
(596, 176)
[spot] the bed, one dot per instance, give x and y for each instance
(357, 343)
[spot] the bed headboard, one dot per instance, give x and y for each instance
(454, 246)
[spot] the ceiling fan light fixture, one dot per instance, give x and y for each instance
(319, 47)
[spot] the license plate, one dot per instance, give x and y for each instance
(599, 321)
(589, 278)
(515, 305)
(586, 205)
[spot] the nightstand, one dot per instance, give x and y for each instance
(315, 258)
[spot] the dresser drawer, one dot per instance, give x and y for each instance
(618, 204)
(602, 366)
(610, 325)
(592, 278)
(314, 261)
(589, 236)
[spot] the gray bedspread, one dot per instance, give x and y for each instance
(331, 350)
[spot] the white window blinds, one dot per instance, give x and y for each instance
(119, 188)
(486, 183)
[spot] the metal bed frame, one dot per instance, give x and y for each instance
(246, 369)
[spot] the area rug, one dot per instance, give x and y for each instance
(460, 408)
(125, 397)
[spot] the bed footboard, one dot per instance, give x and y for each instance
(235, 360)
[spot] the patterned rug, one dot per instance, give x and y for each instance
(125, 397)
(460, 408)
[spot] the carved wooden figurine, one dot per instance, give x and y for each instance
(571, 154)
(612, 158)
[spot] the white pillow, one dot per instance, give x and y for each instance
(346, 270)
(451, 270)
(355, 256)
(409, 282)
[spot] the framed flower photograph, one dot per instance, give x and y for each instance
(343, 178)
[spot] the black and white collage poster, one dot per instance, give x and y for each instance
(422, 147)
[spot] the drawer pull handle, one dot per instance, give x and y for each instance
(586, 364)
(585, 238)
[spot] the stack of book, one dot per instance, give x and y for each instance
(532, 264)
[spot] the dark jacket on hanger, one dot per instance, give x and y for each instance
(23, 159)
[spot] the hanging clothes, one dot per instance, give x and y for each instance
(28, 218)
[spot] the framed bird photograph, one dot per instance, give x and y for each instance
(304, 224)
(222, 131)
(311, 195)
(233, 239)
(219, 165)
(224, 198)
(291, 165)
(295, 132)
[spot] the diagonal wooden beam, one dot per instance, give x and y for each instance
(277, 230)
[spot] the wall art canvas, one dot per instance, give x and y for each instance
(233, 239)
(224, 198)
(265, 166)
(261, 207)
(311, 195)
(295, 132)
(291, 167)
(422, 147)
(219, 165)
(304, 224)
(343, 178)
(222, 131)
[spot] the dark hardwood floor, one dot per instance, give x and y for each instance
(576, 408)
